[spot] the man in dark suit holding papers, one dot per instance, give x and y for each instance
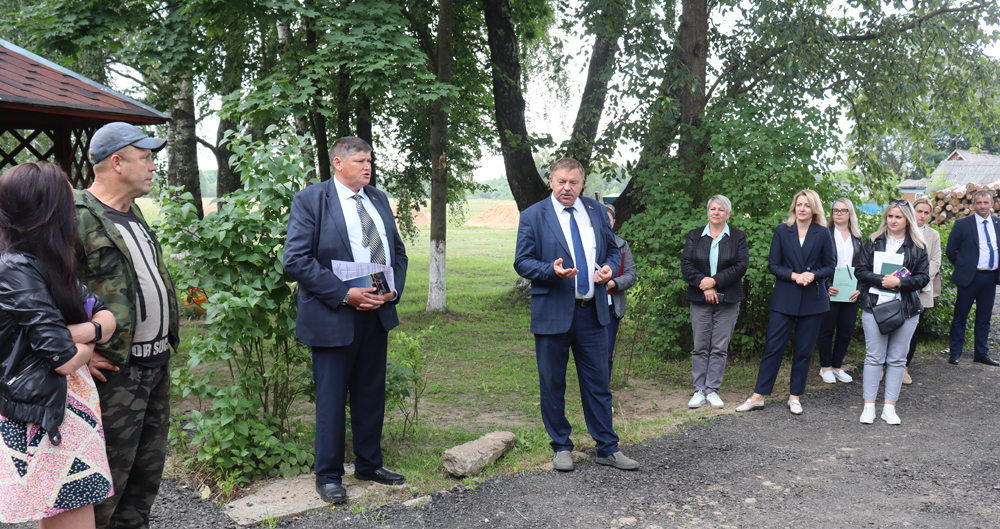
(565, 246)
(344, 219)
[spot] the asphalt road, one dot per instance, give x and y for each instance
(763, 469)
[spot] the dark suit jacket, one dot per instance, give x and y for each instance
(734, 259)
(963, 248)
(816, 255)
(540, 241)
(317, 234)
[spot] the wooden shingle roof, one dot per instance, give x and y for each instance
(37, 93)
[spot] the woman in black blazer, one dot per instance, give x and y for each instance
(713, 263)
(843, 315)
(801, 259)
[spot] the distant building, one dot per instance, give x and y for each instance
(960, 167)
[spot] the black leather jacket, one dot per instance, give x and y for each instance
(27, 308)
(914, 259)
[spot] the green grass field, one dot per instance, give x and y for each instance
(481, 373)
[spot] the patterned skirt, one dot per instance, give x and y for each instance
(38, 480)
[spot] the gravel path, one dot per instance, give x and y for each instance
(763, 469)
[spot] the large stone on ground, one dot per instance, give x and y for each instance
(472, 457)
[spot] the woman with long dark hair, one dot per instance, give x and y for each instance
(50, 417)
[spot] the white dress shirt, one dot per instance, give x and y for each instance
(984, 251)
(588, 237)
(845, 249)
(354, 230)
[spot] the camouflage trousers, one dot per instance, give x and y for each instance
(135, 407)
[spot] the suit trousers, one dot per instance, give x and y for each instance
(916, 334)
(842, 318)
(982, 291)
(589, 340)
(779, 330)
(357, 369)
(712, 325)
(612, 337)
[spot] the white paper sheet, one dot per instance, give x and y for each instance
(349, 270)
(880, 259)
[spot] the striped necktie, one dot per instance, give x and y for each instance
(370, 238)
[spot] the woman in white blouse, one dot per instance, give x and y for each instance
(922, 209)
(843, 315)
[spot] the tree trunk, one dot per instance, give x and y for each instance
(691, 54)
(525, 182)
(183, 169)
(437, 284)
(365, 129)
(226, 180)
(319, 133)
(602, 66)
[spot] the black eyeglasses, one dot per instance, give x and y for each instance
(841, 211)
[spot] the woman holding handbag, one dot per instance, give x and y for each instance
(52, 441)
(714, 261)
(890, 303)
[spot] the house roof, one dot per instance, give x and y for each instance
(971, 156)
(36, 93)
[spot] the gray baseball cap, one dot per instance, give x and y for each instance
(113, 137)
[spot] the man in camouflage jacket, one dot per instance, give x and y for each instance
(119, 259)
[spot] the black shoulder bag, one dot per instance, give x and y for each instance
(888, 316)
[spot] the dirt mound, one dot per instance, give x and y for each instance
(420, 218)
(499, 216)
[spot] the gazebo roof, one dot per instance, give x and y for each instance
(36, 93)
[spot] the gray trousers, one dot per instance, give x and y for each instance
(713, 329)
(882, 349)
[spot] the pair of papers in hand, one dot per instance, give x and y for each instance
(846, 282)
(365, 275)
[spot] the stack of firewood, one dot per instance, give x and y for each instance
(956, 202)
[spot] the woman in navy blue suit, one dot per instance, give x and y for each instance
(801, 259)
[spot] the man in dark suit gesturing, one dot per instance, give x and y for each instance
(565, 246)
(345, 219)
(972, 248)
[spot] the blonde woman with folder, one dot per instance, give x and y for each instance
(891, 303)
(843, 315)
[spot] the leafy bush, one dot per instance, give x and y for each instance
(235, 257)
(759, 160)
(404, 379)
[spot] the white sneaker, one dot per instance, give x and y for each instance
(889, 414)
(868, 414)
(827, 376)
(842, 375)
(714, 399)
(697, 400)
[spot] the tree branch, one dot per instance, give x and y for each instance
(864, 37)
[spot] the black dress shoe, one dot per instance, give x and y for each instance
(382, 475)
(332, 492)
(986, 360)
(953, 360)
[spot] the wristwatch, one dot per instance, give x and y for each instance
(97, 332)
(346, 297)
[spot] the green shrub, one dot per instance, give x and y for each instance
(235, 257)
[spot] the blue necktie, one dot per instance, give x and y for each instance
(989, 243)
(582, 281)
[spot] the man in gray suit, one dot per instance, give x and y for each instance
(345, 219)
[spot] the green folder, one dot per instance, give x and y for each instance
(846, 282)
